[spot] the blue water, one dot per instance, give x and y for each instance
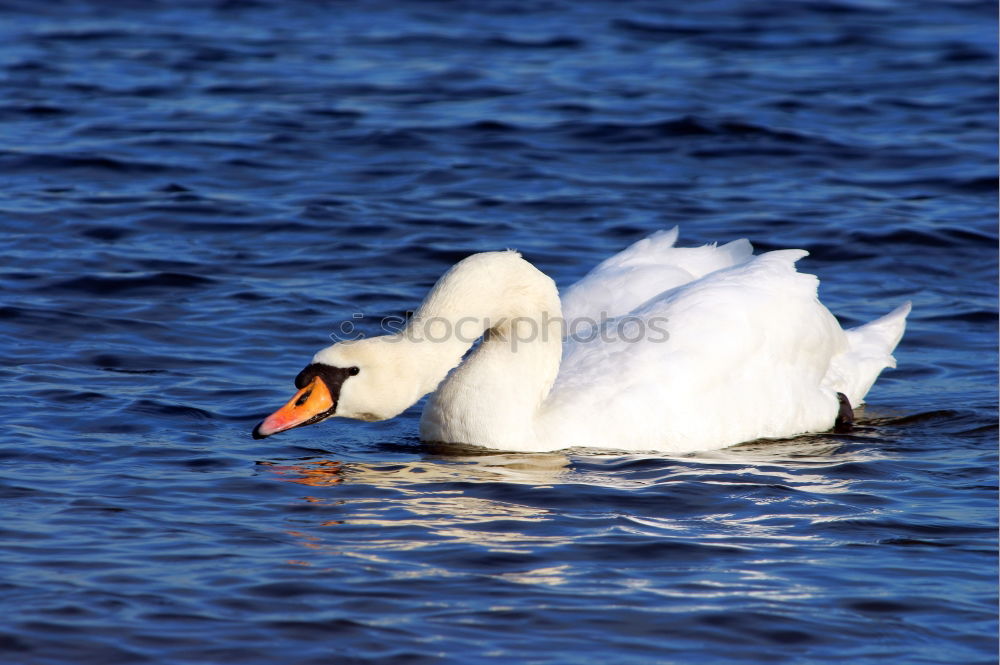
(195, 195)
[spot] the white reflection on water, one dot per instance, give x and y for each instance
(442, 514)
(522, 469)
(431, 503)
(547, 576)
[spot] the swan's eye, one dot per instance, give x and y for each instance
(353, 371)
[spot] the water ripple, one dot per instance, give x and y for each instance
(196, 195)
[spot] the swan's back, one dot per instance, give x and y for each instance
(744, 356)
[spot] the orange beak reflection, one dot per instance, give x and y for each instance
(310, 405)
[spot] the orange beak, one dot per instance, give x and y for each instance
(310, 405)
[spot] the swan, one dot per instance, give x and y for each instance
(659, 348)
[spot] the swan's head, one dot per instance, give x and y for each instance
(365, 379)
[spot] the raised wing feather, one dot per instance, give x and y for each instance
(643, 271)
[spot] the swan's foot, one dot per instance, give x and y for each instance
(845, 417)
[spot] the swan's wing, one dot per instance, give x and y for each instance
(736, 355)
(643, 271)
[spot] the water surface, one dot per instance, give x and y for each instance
(195, 195)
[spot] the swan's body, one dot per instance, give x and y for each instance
(694, 349)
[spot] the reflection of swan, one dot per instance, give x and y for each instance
(711, 346)
(436, 500)
(449, 515)
(535, 470)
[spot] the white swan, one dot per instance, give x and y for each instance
(699, 348)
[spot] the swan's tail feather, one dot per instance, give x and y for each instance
(882, 334)
(869, 351)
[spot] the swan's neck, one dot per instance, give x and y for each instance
(494, 396)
